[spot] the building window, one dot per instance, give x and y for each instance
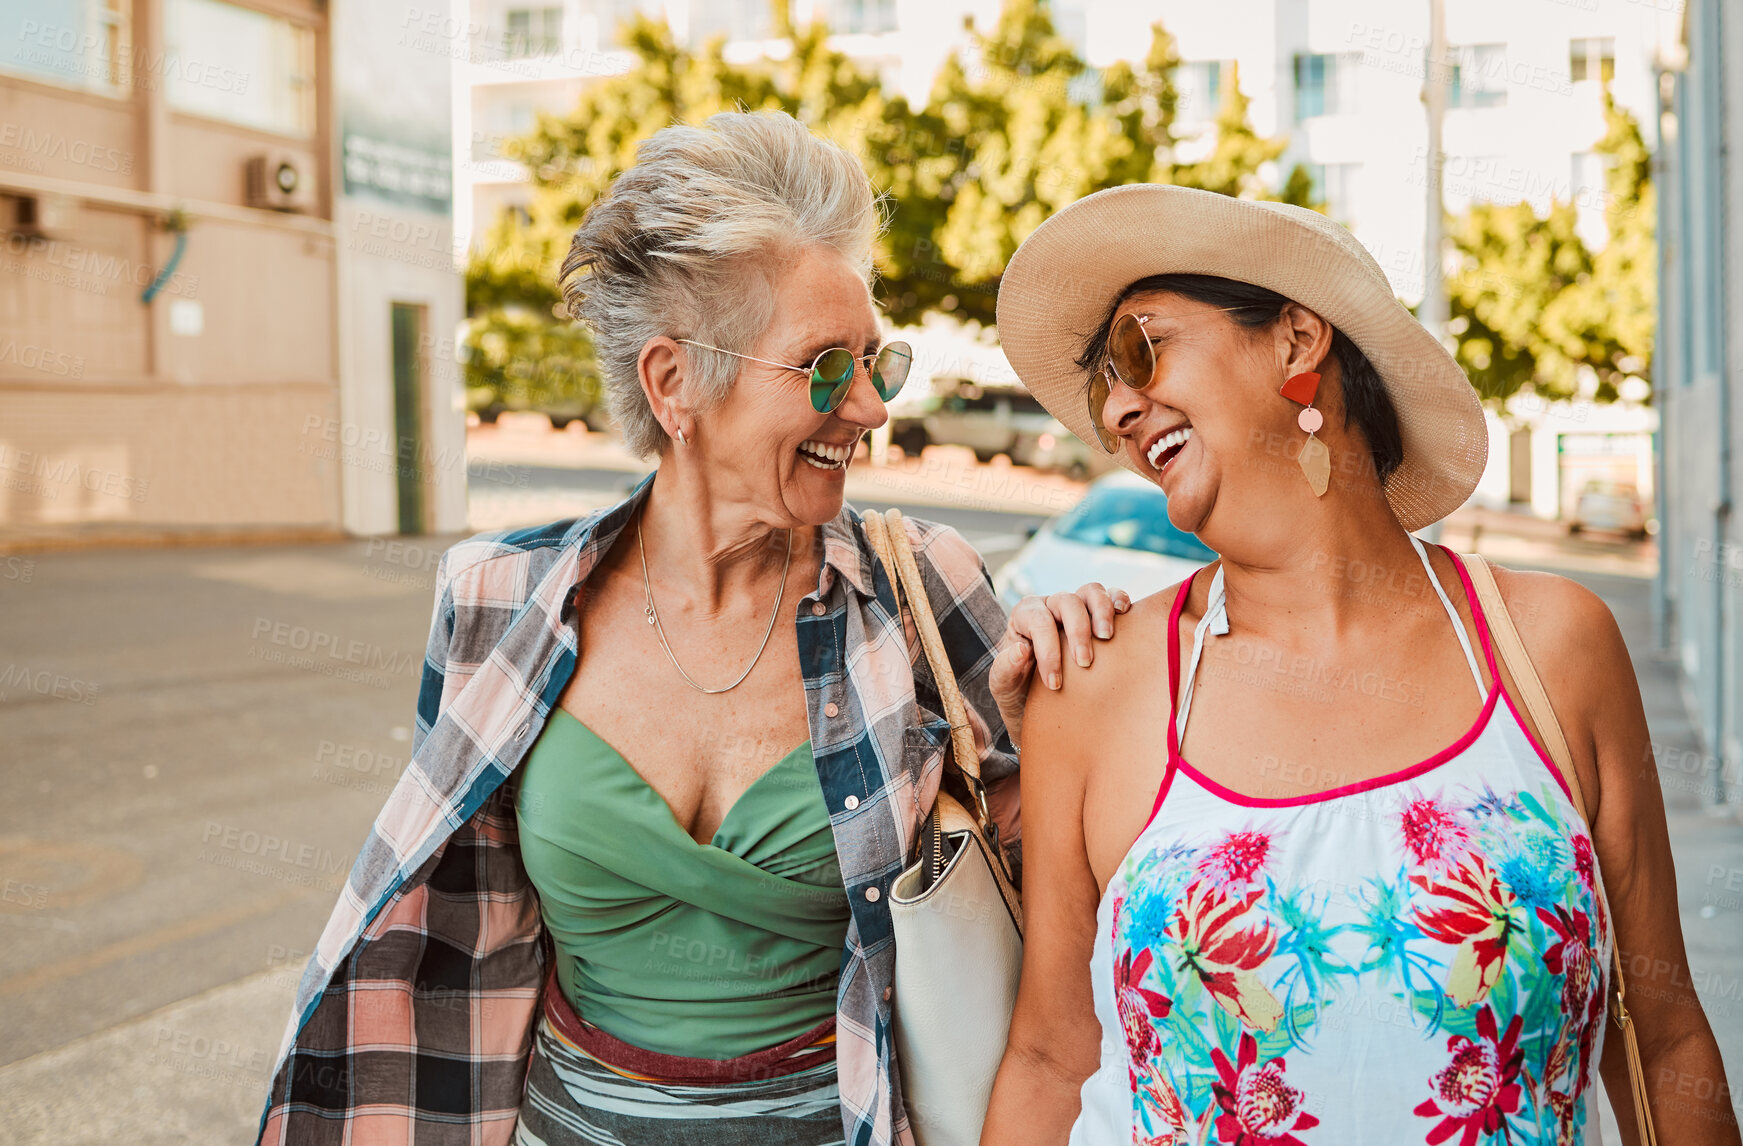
(872, 17)
(1593, 59)
(77, 43)
(240, 66)
(1479, 76)
(1325, 84)
(1334, 184)
(533, 32)
(1199, 88)
(734, 19)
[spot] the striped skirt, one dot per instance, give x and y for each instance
(575, 1096)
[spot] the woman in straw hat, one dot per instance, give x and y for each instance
(1353, 899)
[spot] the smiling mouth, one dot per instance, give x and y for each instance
(827, 455)
(1166, 448)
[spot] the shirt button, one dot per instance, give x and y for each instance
(818, 608)
(832, 709)
(851, 802)
(871, 894)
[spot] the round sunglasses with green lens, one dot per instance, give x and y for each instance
(832, 371)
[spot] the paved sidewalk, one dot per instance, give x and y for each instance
(190, 1074)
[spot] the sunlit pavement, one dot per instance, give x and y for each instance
(221, 726)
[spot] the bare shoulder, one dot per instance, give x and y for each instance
(1135, 654)
(1558, 617)
(1574, 643)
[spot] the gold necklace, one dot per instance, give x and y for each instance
(654, 616)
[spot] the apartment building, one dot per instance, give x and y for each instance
(1700, 372)
(227, 284)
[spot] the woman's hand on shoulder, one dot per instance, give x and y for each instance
(1041, 633)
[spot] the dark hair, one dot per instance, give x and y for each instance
(1366, 400)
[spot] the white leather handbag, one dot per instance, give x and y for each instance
(957, 917)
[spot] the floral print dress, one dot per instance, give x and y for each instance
(1418, 957)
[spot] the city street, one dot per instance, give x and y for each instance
(196, 740)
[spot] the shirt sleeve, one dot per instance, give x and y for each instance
(435, 654)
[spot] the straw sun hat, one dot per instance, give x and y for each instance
(1066, 275)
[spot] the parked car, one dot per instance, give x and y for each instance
(1609, 505)
(993, 420)
(1119, 534)
(1057, 449)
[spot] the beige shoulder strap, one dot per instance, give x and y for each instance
(1525, 680)
(1536, 700)
(890, 538)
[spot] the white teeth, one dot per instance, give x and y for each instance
(824, 455)
(1169, 440)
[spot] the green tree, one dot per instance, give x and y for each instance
(1016, 127)
(1532, 306)
(511, 277)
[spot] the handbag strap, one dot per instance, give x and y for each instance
(1536, 700)
(889, 537)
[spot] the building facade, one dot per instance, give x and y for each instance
(227, 290)
(1699, 365)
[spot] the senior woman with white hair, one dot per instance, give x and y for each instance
(633, 885)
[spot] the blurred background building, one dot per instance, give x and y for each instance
(1339, 82)
(1699, 349)
(227, 289)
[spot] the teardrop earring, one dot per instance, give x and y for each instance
(1314, 459)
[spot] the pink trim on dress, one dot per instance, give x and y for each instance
(1174, 661)
(1161, 794)
(1381, 781)
(1495, 673)
(1177, 761)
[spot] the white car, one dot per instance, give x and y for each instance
(1119, 534)
(1610, 506)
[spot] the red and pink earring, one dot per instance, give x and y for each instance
(1315, 459)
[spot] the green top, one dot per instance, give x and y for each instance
(704, 950)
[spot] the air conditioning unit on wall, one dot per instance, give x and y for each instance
(279, 181)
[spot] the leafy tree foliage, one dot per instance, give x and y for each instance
(1015, 127)
(1533, 307)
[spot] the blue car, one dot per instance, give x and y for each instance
(1119, 534)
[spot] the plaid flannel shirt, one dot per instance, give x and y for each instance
(413, 1020)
